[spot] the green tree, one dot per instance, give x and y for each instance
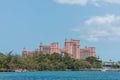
(2, 59)
(84, 64)
(95, 62)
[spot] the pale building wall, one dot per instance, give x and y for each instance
(68, 47)
(84, 52)
(76, 48)
(87, 52)
(28, 52)
(54, 48)
(71, 47)
(92, 51)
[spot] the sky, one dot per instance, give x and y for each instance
(26, 23)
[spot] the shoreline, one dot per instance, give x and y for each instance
(93, 69)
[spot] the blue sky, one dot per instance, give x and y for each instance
(26, 23)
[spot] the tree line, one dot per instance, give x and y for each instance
(51, 62)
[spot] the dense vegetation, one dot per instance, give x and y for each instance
(46, 62)
(116, 65)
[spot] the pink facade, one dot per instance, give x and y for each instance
(28, 52)
(71, 47)
(52, 48)
(86, 52)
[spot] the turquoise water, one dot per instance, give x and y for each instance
(60, 75)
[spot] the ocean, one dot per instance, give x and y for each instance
(60, 75)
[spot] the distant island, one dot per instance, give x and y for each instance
(52, 58)
(46, 62)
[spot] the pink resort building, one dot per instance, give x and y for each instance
(71, 47)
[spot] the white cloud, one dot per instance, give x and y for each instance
(92, 38)
(108, 19)
(79, 2)
(112, 1)
(99, 28)
(96, 3)
(103, 2)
